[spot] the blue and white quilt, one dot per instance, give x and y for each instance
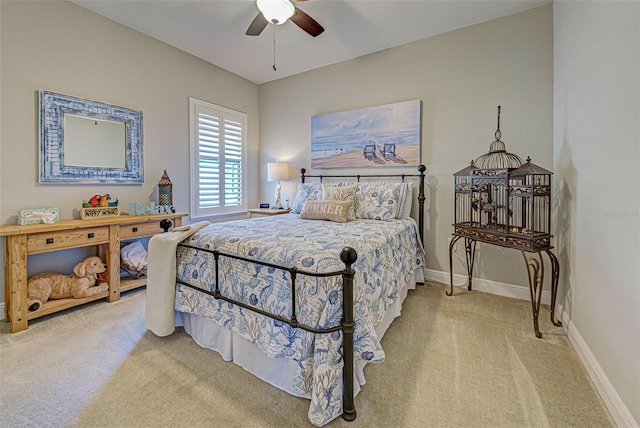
(389, 253)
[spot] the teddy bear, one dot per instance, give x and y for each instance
(81, 283)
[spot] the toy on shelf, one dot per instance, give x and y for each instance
(99, 206)
(85, 281)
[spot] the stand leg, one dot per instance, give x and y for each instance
(535, 272)
(470, 249)
(555, 276)
(451, 244)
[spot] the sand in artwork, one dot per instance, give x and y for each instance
(405, 155)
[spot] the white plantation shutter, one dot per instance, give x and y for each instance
(218, 141)
(208, 161)
(233, 137)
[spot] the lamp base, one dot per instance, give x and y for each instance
(277, 205)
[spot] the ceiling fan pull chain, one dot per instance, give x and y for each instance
(274, 48)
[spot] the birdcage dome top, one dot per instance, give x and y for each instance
(498, 157)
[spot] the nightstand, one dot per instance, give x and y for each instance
(266, 212)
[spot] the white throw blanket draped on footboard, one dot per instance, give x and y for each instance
(161, 278)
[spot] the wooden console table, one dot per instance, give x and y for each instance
(105, 233)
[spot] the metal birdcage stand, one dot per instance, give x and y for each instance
(501, 200)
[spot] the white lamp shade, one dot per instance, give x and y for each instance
(276, 11)
(277, 171)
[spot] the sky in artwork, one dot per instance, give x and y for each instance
(398, 117)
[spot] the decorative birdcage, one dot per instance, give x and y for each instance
(502, 200)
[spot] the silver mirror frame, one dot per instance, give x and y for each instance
(53, 107)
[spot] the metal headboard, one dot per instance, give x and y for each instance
(420, 175)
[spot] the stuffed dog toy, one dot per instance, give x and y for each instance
(81, 283)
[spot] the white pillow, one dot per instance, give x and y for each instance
(408, 202)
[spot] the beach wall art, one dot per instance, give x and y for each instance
(387, 135)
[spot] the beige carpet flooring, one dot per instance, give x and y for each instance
(470, 360)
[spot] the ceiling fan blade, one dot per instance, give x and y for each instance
(307, 23)
(257, 25)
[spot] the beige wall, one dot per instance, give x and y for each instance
(461, 77)
(596, 155)
(64, 48)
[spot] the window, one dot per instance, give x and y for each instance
(218, 151)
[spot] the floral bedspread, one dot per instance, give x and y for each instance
(388, 254)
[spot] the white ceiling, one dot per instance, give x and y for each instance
(214, 30)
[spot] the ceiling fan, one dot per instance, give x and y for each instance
(277, 12)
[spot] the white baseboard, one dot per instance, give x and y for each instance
(619, 411)
(488, 286)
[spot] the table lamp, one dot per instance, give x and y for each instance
(277, 171)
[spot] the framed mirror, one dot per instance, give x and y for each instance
(84, 141)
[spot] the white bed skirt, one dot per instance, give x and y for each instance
(279, 372)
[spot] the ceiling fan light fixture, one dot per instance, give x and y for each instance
(276, 11)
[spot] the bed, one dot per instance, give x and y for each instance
(304, 305)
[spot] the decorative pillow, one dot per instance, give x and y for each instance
(306, 191)
(346, 193)
(408, 202)
(326, 210)
(378, 202)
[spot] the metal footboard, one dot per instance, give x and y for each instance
(348, 256)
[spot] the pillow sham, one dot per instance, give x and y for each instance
(305, 191)
(378, 202)
(342, 193)
(408, 202)
(326, 210)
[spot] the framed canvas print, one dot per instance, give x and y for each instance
(387, 135)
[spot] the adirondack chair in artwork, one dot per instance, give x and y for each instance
(388, 149)
(369, 151)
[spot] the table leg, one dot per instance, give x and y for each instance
(451, 244)
(470, 250)
(113, 264)
(15, 266)
(555, 276)
(535, 273)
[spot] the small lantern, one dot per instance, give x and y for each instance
(165, 191)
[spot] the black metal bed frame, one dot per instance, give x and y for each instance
(421, 197)
(348, 256)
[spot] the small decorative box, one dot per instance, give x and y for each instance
(99, 212)
(38, 216)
